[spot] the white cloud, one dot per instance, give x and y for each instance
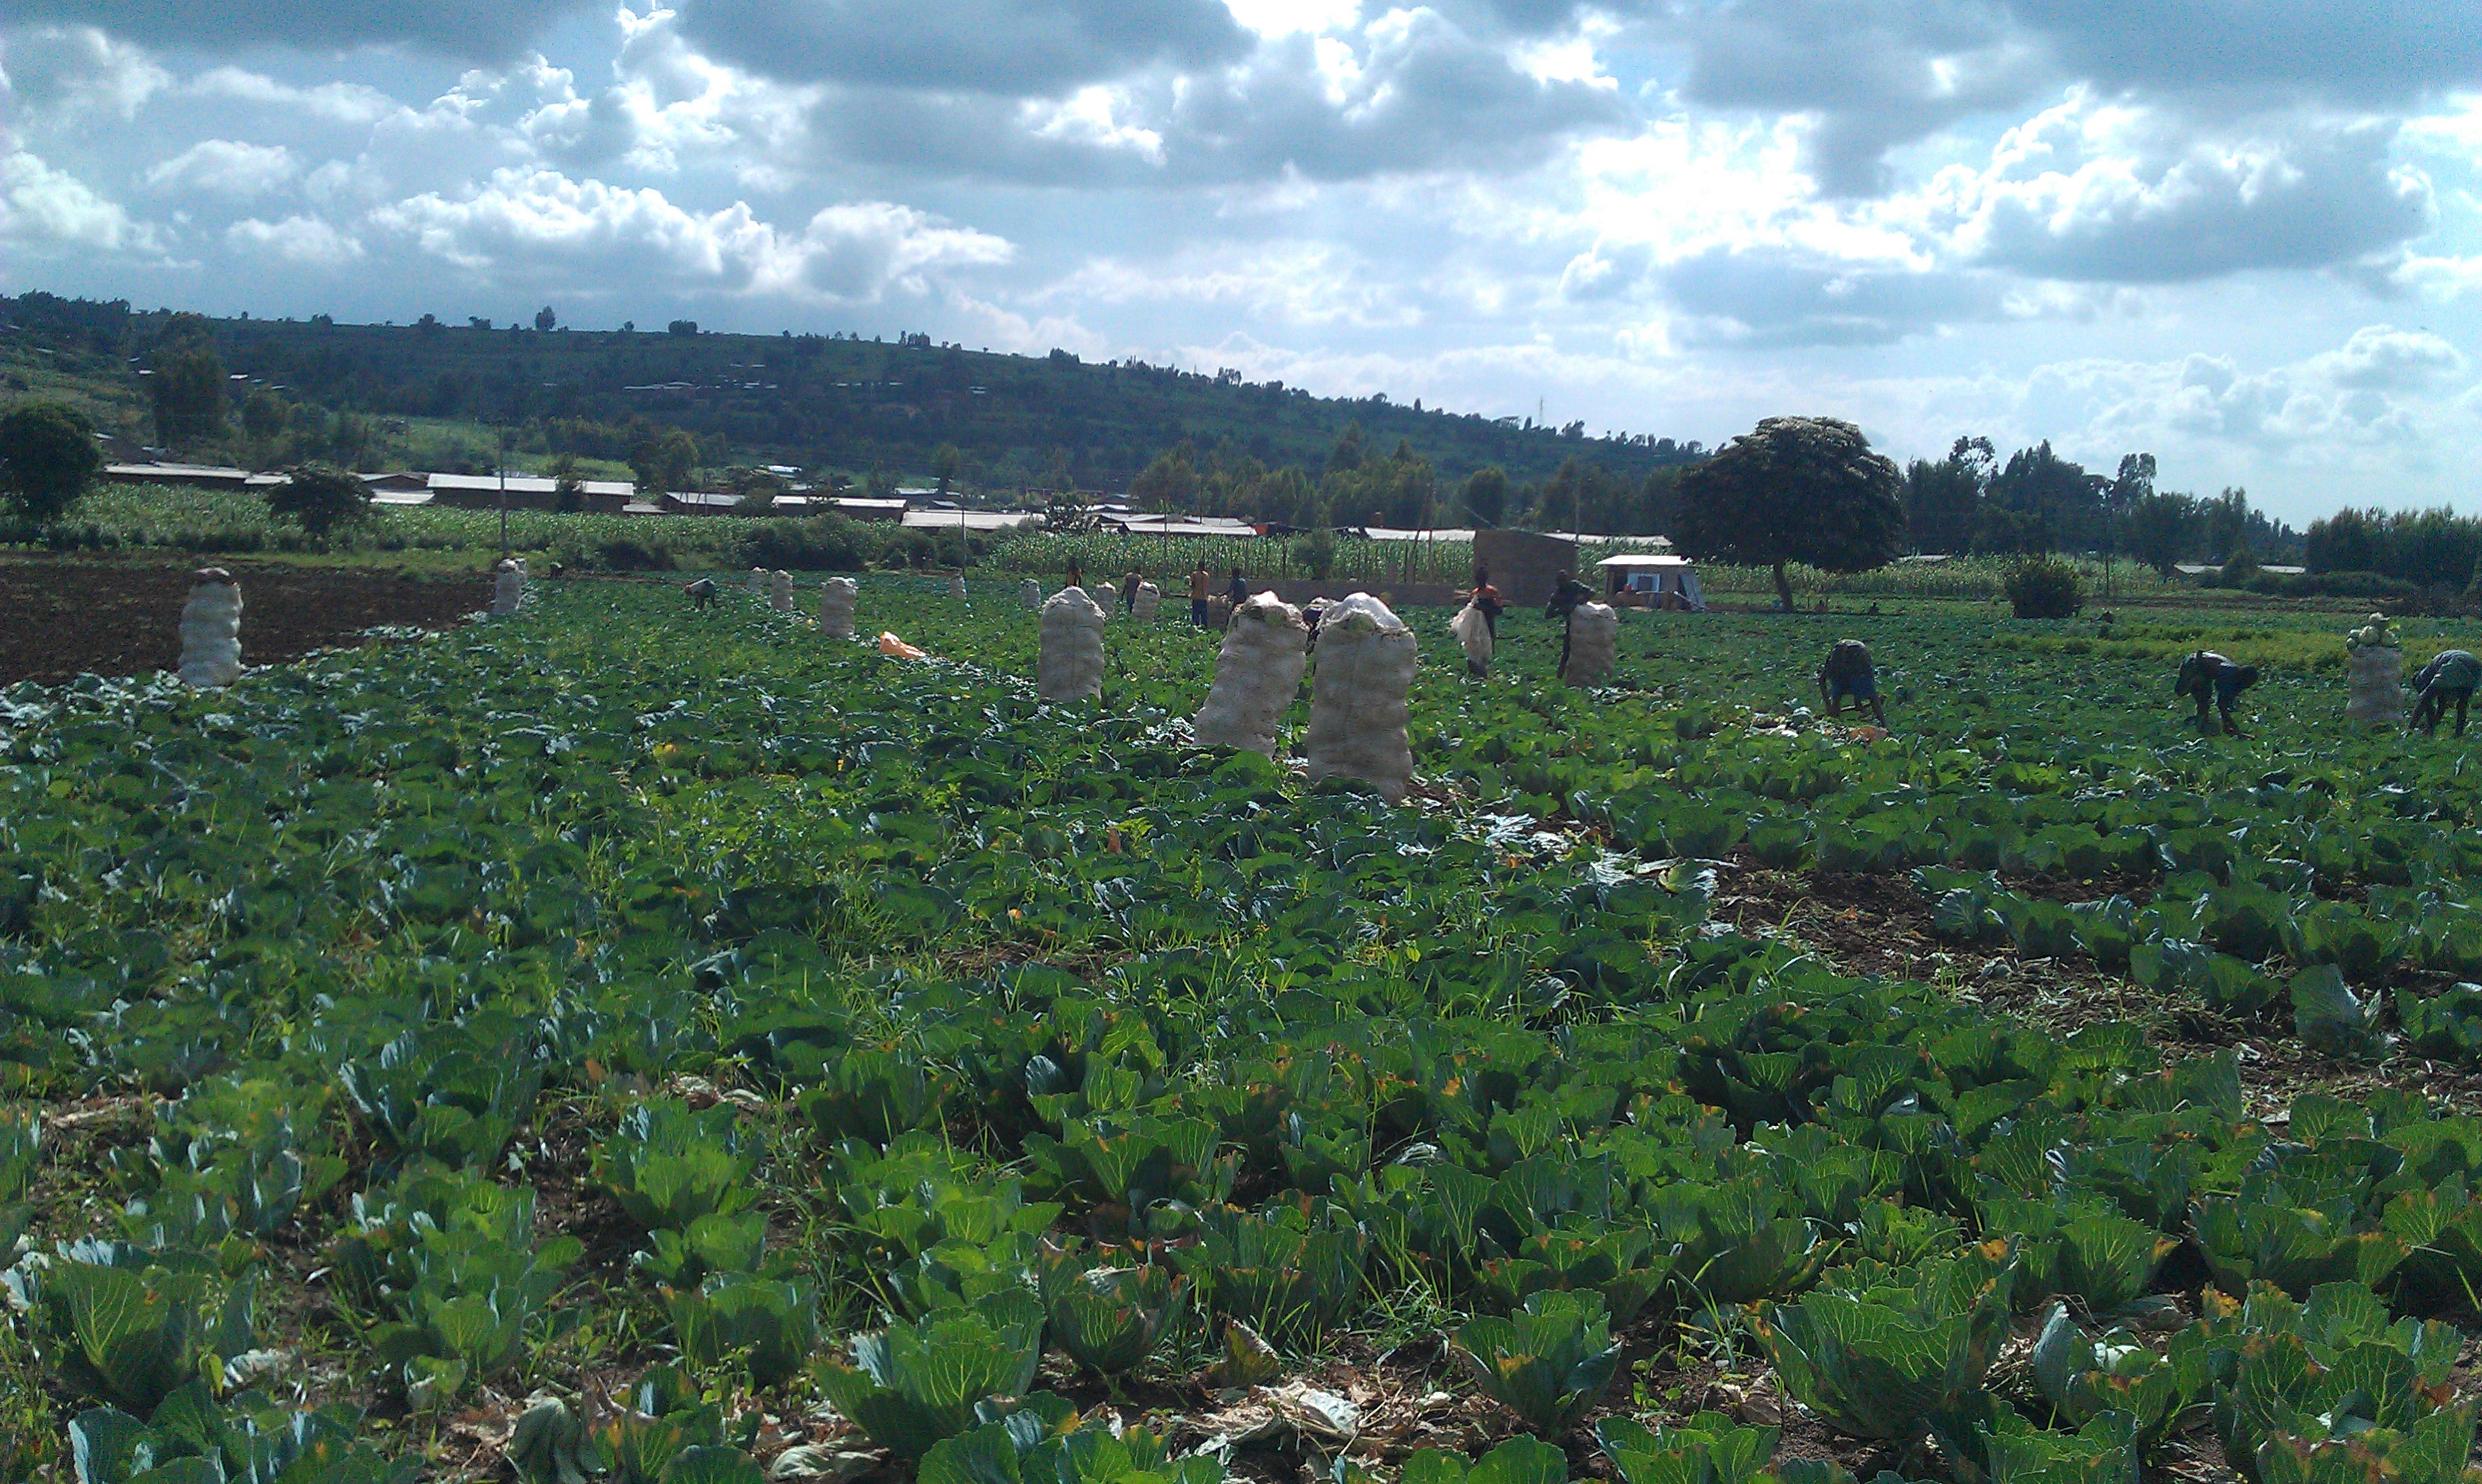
(334, 102)
(304, 240)
(62, 72)
(41, 208)
(543, 226)
(225, 167)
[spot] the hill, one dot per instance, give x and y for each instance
(821, 402)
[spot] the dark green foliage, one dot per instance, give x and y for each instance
(1795, 489)
(320, 498)
(2045, 587)
(47, 460)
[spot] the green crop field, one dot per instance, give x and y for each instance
(620, 1044)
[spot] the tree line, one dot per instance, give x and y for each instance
(1971, 502)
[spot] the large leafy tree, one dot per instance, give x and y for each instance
(187, 381)
(1805, 489)
(2160, 528)
(48, 458)
(321, 497)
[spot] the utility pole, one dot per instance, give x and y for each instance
(507, 440)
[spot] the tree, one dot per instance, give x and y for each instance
(546, 319)
(2161, 528)
(187, 382)
(1944, 500)
(567, 487)
(1804, 489)
(1170, 484)
(945, 460)
(321, 497)
(1486, 496)
(664, 462)
(682, 327)
(48, 458)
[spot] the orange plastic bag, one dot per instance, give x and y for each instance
(897, 649)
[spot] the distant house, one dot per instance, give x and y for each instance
(976, 522)
(525, 492)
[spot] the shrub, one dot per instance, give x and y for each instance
(2045, 587)
(48, 458)
(320, 496)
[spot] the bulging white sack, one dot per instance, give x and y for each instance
(1594, 643)
(781, 594)
(837, 606)
(757, 582)
(1365, 670)
(957, 585)
(508, 589)
(1473, 630)
(1149, 596)
(1030, 593)
(1070, 667)
(211, 631)
(1258, 674)
(2376, 676)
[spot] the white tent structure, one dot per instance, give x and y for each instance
(1650, 577)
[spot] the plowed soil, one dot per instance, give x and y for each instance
(63, 616)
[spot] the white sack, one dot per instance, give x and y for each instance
(1258, 674)
(1594, 643)
(957, 585)
(211, 631)
(1365, 669)
(2376, 675)
(781, 594)
(837, 606)
(1072, 664)
(509, 588)
(1149, 597)
(757, 582)
(1473, 630)
(1030, 593)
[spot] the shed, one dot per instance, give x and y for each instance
(1653, 579)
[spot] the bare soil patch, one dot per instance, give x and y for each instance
(63, 616)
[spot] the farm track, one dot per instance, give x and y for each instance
(64, 616)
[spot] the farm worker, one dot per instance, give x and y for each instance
(1076, 578)
(1484, 598)
(1198, 583)
(702, 593)
(1129, 592)
(1565, 601)
(2451, 676)
(2209, 676)
(1239, 590)
(1848, 672)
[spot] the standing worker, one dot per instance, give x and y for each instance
(1199, 581)
(1848, 672)
(1565, 599)
(1239, 590)
(1076, 578)
(1485, 597)
(2209, 676)
(1129, 592)
(2450, 676)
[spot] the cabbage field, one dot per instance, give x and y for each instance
(617, 1044)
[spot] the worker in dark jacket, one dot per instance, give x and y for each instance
(2451, 676)
(2210, 677)
(1565, 599)
(1848, 674)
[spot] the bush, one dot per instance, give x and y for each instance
(623, 555)
(48, 458)
(2045, 587)
(321, 498)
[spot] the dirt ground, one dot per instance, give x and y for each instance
(63, 616)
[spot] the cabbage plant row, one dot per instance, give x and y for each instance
(634, 1026)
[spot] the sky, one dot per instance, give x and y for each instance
(2241, 235)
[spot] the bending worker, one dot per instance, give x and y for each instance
(1848, 672)
(2209, 676)
(2451, 676)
